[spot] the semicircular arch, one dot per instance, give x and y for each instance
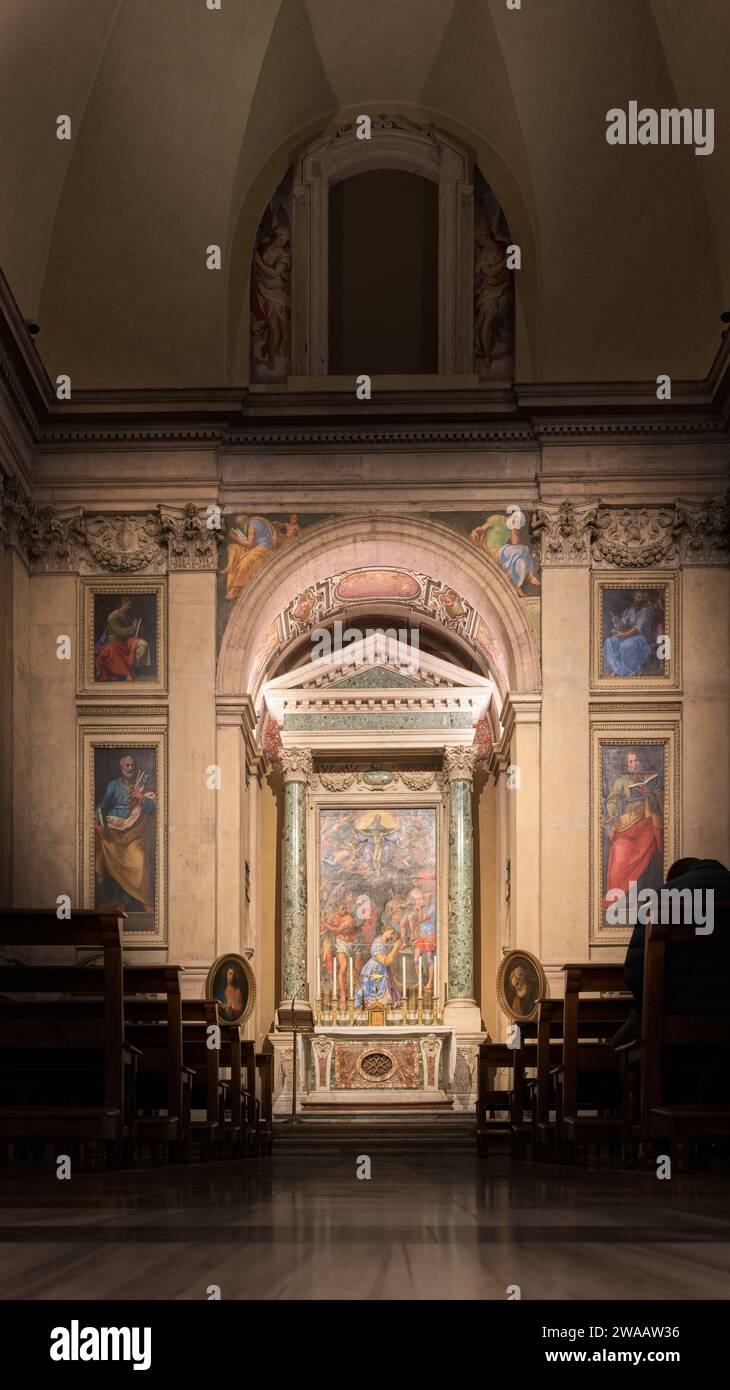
(332, 547)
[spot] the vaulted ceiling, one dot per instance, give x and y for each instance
(183, 119)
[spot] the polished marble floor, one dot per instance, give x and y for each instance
(422, 1227)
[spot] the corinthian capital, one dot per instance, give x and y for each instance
(459, 763)
(296, 764)
(564, 532)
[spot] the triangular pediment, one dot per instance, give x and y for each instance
(383, 677)
(378, 678)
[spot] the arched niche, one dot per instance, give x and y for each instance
(394, 143)
(466, 301)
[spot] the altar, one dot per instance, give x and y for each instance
(377, 919)
(388, 1065)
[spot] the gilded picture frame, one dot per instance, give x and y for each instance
(633, 613)
(521, 984)
(124, 867)
(122, 636)
(634, 778)
(243, 980)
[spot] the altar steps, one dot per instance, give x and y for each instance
(379, 1131)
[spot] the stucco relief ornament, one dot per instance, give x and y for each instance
(459, 763)
(418, 781)
(16, 515)
(123, 544)
(271, 739)
(705, 532)
(296, 764)
(636, 537)
(191, 543)
(337, 781)
(564, 533)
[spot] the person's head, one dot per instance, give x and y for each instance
(127, 766)
(633, 761)
(125, 605)
(362, 905)
(376, 820)
(389, 934)
(681, 866)
(230, 975)
(519, 981)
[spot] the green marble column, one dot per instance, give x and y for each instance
(459, 767)
(297, 767)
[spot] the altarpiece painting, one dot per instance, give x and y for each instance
(377, 902)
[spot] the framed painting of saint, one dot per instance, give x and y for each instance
(634, 800)
(122, 646)
(231, 985)
(122, 839)
(635, 630)
(521, 984)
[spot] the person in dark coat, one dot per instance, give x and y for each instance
(689, 987)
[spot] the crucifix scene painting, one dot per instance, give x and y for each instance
(377, 903)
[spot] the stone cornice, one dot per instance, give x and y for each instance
(327, 416)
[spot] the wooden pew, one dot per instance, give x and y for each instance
(546, 1097)
(683, 1050)
(217, 1133)
(157, 1106)
(84, 1099)
(589, 1078)
(514, 1102)
(492, 1103)
(265, 1069)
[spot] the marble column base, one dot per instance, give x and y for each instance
(463, 1015)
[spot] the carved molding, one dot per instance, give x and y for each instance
(459, 763)
(296, 764)
(633, 537)
(343, 778)
(564, 533)
(118, 543)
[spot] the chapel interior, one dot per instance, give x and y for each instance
(365, 594)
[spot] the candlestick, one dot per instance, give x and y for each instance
(420, 977)
(351, 989)
(420, 1010)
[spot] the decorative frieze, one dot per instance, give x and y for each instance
(376, 780)
(633, 537)
(120, 543)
